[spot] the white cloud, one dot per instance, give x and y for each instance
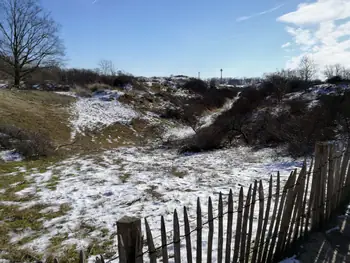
(320, 11)
(285, 45)
(320, 30)
(243, 18)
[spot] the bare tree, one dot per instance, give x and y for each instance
(107, 67)
(28, 38)
(334, 70)
(307, 68)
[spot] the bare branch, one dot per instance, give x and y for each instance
(307, 68)
(107, 67)
(28, 37)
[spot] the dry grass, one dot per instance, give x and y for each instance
(37, 111)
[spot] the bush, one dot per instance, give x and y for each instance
(28, 144)
(98, 87)
(335, 80)
(82, 91)
(196, 85)
(122, 80)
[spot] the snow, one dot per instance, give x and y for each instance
(146, 183)
(67, 93)
(92, 114)
(208, 119)
(332, 229)
(290, 260)
(10, 156)
(179, 132)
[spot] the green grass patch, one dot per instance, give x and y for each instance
(53, 182)
(124, 177)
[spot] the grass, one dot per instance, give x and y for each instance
(37, 111)
(124, 177)
(177, 173)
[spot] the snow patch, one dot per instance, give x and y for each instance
(178, 133)
(290, 260)
(10, 156)
(92, 114)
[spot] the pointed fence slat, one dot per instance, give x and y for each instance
(245, 223)
(294, 208)
(151, 249)
(346, 188)
(330, 182)
(315, 189)
(337, 161)
(188, 236)
(266, 220)
(297, 217)
(221, 229)
(81, 257)
(273, 219)
(278, 220)
(250, 219)
(307, 194)
(260, 222)
(176, 239)
(323, 182)
(229, 228)
(199, 232)
(286, 214)
(344, 165)
(211, 231)
(238, 226)
(165, 256)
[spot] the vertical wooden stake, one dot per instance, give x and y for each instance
(129, 239)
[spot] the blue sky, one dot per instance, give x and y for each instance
(162, 37)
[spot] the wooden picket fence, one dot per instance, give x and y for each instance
(266, 226)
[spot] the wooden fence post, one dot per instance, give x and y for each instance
(129, 240)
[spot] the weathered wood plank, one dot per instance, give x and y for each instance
(238, 226)
(229, 228)
(151, 248)
(260, 223)
(221, 229)
(278, 221)
(273, 219)
(245, 224)
(211, 231)
(286, 213)
(176, 238)
(199, 232)
(251, 219)
(304, 227)
(165, 256)
(188, 237)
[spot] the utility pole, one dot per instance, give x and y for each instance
(199, 75)
(221, 77)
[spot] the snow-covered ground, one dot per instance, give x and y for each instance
(10, 156)
(94, 114)
(208, 119)
(144, 183)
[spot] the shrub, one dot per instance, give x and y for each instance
(82, 91)
(196, 85)
(122, 80)
(29, 144)
(98, 87)
(335, 80)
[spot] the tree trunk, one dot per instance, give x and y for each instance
(17, 78)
